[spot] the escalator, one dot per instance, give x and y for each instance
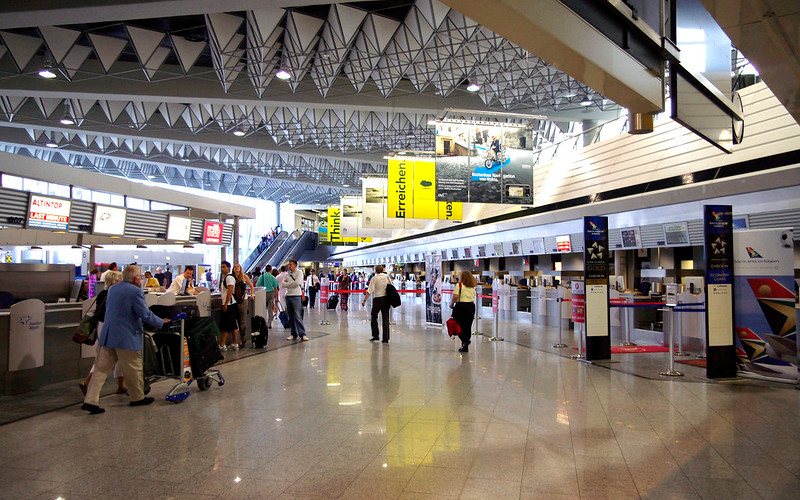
(260, 257)
(294, 246)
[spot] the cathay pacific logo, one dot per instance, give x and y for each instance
(753, 254)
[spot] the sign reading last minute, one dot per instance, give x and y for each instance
(46, 212)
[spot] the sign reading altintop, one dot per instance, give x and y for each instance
(46, 212)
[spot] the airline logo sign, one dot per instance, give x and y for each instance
(412, 192)
(212, 232)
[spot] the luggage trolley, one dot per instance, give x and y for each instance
(178, 364)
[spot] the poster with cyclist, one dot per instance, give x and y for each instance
(484, 163)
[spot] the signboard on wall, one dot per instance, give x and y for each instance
(109, 220)
(179, 228)
(212, 232)
(47, 212)
(411, 192)
(676, 234)
(596, 267)
(563, 243)
(630, 238)
(718, 236)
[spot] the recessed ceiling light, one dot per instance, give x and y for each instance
(282, 74)
(239, 133)
(47, 72)
(473, 87)
(67, 120)
(586, 102)
(346, 185)
(280, 170)
(52, 145)
(570, 95)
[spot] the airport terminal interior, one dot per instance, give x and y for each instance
(407, 248)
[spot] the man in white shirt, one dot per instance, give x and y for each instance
(111, 267)
(293, 284)
(312, 284)
(183, 283)
(377, 288)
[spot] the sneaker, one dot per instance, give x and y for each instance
(384, 341)
(463, 349)
(235, 347)
(142, 402)
(373, 339)
(223, 348)
(290, 338)
(92, 409)
(305, 339)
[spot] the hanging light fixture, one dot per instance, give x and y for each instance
(473, 87)
(67, 119)
(238, 132)
(282, 74)
(52, 145)
(47, 70)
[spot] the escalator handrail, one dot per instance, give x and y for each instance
(276, 243)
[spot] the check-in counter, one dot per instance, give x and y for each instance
(57, 358)
(523, 299)
(538, 305)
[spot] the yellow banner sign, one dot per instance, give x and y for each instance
(412, 192)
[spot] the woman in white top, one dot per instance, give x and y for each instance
(464, 307)
(377, 288)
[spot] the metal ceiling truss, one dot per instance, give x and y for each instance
(187, 176)
(435, 48)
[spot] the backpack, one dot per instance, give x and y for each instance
(392, 296)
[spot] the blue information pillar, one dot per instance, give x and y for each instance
(718, 245)
(595, 269)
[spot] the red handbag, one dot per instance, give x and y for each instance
(453, 328)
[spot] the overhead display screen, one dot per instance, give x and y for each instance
(630, 237)
(46, 212)
(109, 220)
(563, 243)
(179, 228)
(676, 234)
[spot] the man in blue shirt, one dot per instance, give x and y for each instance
(121, 340)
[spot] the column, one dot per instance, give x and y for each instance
(595, 269)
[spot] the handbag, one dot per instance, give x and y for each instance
(453, 328)
(86, 331)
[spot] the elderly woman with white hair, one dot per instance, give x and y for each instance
(111, 279)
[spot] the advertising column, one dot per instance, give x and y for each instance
(718, 237)
(595, 265)
(433, 295)
(765, 317)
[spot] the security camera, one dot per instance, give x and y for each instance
(786, 238)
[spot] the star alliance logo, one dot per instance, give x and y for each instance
(592, 225)
(717, 216)
(596, 251)
(718, 246)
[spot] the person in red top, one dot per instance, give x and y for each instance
(344, 284)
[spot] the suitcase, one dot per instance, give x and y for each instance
(150, 359)
(333, 302)
(191, 310)
(203, 345)
(260, 333)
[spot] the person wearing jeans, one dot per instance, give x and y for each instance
(294, 296)
(377, 288)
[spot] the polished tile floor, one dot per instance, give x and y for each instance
(340, 417)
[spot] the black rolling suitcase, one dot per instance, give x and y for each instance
(260, 333)
(204, 352)
(333, 302)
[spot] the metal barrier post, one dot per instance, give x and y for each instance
(679, 319)
(496, 314)
(580, 355)
(671, 372)
(628, 320)
(477, 306)
(560, 340)
(324, 292)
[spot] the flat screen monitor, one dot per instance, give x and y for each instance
(48, 212)
(444, 254)
(179, 228)
(481, 251)
(538, 246)
(467, 252)
(109, 220)
(676, 234)
(630, 237)
(454, 254)
(563, 243)
(76, 290)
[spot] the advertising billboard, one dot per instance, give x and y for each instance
(47, 212)
(484, 164)
(212, 232)
(109, 220)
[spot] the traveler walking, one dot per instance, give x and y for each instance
(344, 284)
(294, 296)
(121, 341)
(228, 318)
(270, 284)
(377, 288)
(463, 305)
(312, 285)
(112, 278)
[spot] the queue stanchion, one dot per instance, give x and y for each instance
(478, 301)
(671, 372)
(496, 314)
(679, 319)
(560, 344)
(323, 300)
(579, 314)
(628, 324)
